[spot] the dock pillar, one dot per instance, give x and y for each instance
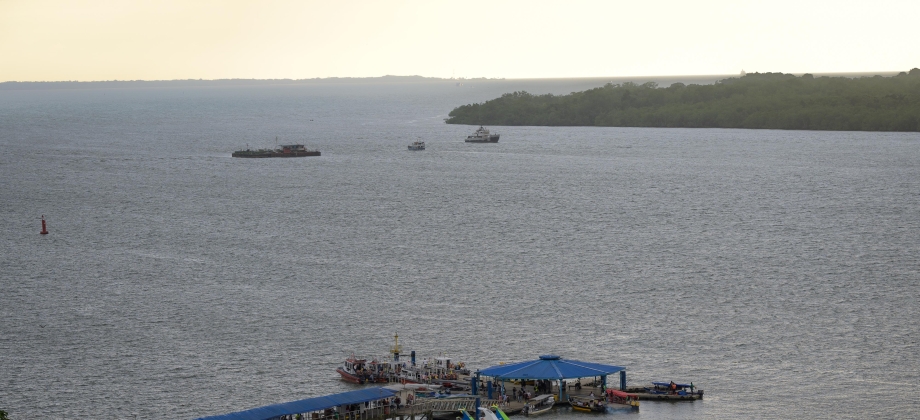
(622, 380)
(475, 385)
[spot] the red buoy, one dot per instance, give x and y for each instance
(44, 228)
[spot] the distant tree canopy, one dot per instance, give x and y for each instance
(756, 100)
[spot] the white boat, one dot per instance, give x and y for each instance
(417, 145)
(539, 405)
(482, 135)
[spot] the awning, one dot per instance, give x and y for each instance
(307, 405)
(550, 367)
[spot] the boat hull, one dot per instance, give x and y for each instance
(349, 377)
(587, 406)
(537, 412)
(256, 154)
(489, 140)
(588, 409)
(622, 407)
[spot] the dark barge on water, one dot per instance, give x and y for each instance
(287, 150)
(667, 391)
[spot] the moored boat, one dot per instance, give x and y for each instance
(353, 370)
(617, 399)
(482, 135)
(538, 405)
(287, 150)
(668, 391)
(379, 371)
(587, 404)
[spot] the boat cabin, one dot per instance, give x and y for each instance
(353, 364)
(542, 400)
(673, 388)
(291, 148)
(619, 397)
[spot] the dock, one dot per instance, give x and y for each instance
(407, 400)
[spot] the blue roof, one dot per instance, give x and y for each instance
(550, 367)
(307, 405)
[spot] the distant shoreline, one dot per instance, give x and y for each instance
(71, 84)
(755, 100)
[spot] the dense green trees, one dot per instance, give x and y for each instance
(756, 100)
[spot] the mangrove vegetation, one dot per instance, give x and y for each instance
(755, 100)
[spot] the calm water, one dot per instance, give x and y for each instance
(777, 270)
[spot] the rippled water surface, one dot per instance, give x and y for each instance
(777, 270)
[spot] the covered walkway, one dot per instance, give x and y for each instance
(337, 402)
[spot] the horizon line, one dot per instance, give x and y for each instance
(894, 72)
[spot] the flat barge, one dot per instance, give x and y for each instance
(662, 391)
(287, 150)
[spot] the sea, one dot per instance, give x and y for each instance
(779, 271)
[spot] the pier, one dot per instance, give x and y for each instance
(504, 387)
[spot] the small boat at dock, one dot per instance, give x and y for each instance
(538, 405)
(587, 404)
(617, 399)
(353, 370)
(667, 391)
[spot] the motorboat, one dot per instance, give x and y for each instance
(539, 405)
(617, 399)
(587, 404)
(353, 370)
(482, 135)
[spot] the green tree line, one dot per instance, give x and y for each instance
(755, 100)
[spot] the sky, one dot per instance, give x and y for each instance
(87, 40)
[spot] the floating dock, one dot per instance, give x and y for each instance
(549, 375)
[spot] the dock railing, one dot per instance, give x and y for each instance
(420, 409)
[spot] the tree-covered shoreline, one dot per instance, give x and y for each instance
(755, 100)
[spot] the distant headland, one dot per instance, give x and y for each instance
(753, 100)
(223, 82)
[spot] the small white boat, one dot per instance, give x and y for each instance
(417, 145)
(539, 405)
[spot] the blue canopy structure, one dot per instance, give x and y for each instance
(305, 406)
(550, 366)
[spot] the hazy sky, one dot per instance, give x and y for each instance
(189, 39)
